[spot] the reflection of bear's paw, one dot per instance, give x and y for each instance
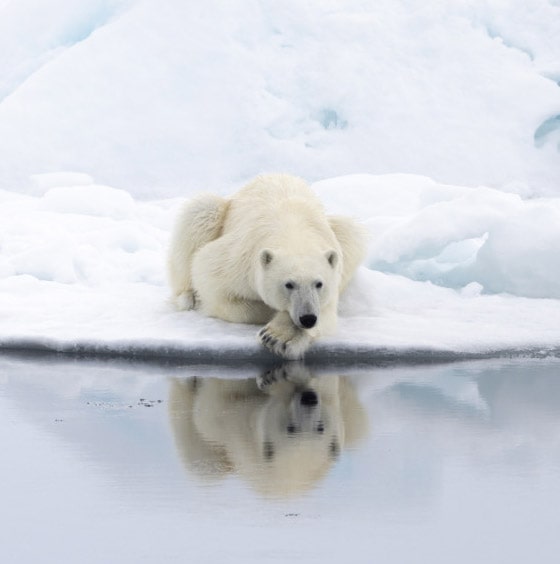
(294, 372)
(187, 300)
(290, 344)
(267, 379)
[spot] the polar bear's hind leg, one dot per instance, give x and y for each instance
(200, 222)
(352, 238)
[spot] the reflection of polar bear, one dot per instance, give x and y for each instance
(281, 432)
(267, 255)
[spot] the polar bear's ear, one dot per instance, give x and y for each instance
(266, 257)
(332, 257)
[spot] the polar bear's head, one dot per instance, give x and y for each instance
(298, 284)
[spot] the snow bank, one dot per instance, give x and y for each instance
(163, 99)
(455, 236)
(82, 269)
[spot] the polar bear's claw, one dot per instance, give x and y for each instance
(292, 345)
(267, 339)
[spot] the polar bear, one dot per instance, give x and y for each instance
(282, 431)
(267, 255)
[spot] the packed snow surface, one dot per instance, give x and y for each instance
(436, 124)
(467, 270)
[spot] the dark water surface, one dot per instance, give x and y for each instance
(116, 462)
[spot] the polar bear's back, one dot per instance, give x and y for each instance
(276, 206)
(270, 191)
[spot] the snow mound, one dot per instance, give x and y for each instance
(455, 236)
(167, 98)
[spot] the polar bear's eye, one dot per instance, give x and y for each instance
(289, 285)
(318, 285)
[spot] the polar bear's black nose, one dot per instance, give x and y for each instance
(308, 321)
(309, 398)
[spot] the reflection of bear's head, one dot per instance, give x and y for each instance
(299, 284)
(281, 432)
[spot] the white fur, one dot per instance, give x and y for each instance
(269, 255)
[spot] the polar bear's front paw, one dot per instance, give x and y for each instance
(288, 344)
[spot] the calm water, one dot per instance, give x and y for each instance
(105, 462)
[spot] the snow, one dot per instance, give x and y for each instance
(159, 99)
(83, 270)
(456, 236)
(436, 125)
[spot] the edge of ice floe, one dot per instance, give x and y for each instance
(320, 355)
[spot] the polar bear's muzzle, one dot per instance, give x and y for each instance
(304, 307)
